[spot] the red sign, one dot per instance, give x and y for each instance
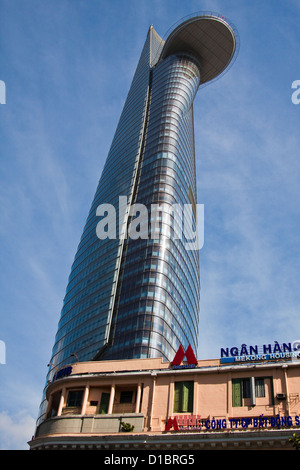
(189, 354)
(184, 423)
(172, 422)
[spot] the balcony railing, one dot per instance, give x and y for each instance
(93, 424)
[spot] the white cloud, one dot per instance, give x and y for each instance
(16, 430)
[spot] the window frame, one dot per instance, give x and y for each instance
(183, 396)
(75, 402)
(242, 389)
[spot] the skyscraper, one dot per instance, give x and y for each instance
(138, 296)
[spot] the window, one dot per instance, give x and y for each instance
(241, 388)
(74, 398)
(183, 397)
(104, 403)
(246, 387)
(126, 396)
(259, 387)
(237, 397)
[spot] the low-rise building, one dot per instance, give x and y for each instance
(152, 404)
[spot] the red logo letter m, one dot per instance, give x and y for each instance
(189, 353)
(172, 423)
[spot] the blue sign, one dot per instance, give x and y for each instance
(266, 352)
(63, 373)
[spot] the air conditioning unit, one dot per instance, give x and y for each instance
(280, 396)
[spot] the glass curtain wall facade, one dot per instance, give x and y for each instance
(158, 295)
(90, 295)
(134, 298)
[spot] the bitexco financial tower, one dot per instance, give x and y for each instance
(130, 297)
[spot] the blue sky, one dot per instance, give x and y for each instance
(67, 66)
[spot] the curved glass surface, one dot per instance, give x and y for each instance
(158, 294)
(89, 301)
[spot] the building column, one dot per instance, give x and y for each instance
(152, 398)
(62, 401)
(111, 399)
(285, 370)
(49, 406)
(85, 399)
(138, 398)
(229, 395)
(171, 398)
(195, 396)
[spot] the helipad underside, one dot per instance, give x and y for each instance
(211, 39)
